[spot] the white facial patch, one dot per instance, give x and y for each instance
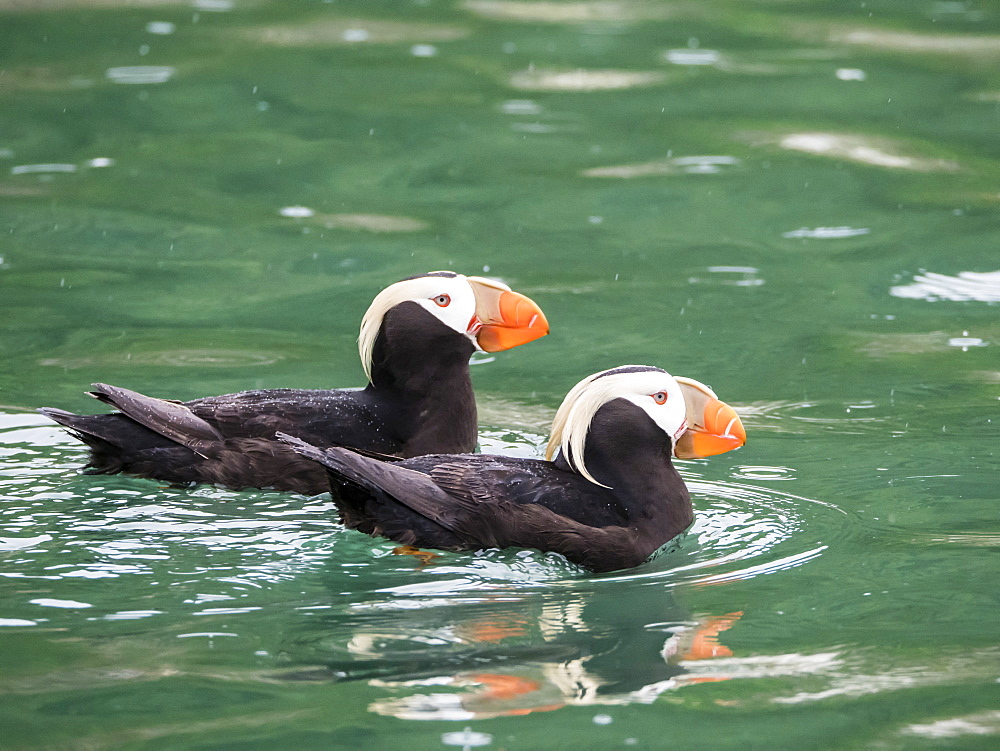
(671, 416)
(572, 421)
(455, 292)
(450, 299)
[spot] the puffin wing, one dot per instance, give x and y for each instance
(408, 487)
(170, 419)
(490, 512)
(477, 508)
(325, 417)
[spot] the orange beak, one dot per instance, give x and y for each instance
(713, 426)
(504, 318)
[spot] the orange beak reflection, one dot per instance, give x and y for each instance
(713, 426)
(508, 319)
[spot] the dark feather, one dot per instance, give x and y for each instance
(472, 502)
(422, 402)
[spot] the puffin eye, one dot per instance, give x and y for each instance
(660, 397)
(443, 300)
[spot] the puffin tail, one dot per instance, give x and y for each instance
(142, 423)
(100, 435)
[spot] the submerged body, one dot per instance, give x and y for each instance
(416, 343)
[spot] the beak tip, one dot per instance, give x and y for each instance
(518, 320)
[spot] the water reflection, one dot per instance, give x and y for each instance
(579, 12)
(978, 725)
(465, 636)
(915, 42)
(36, 169)
(161, 28)
(692, 57)
(515, 652)
(514, 632)
(689, 165)
(140, 74)
(540, 79)
(965, 286)
(889, 345)
(342, 31)
(877, 152)
(825, 233)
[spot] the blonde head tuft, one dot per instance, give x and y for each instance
(635, 383)
(418, 289)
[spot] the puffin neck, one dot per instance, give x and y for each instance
(417, 355)
(627, 452)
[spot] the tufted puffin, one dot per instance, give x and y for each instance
(415, 343)
(607, 496)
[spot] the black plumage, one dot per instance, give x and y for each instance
(419, 400)
(609, 498)
(470, 502)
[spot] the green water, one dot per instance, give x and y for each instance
(796, 202)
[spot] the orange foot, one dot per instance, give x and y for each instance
(425, 556)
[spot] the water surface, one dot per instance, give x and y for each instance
(797, 203)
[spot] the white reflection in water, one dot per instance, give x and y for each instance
(580, 11)
(827, 675)
(535, 128)
(734, 276)
(964, 342)
(826, 233)
(585, 80)
(131, 615)
(355, 35)
(906, 41)
(467, 738)
(692, 57)
(161, 27)
(34, 169)
(520, 107)
(213, 6)
(966, 286)
(545, 684)
(333, 30)
(850, 74)
(682, 165)
(981, 723)
(876, 152)
(47, 602)
(365, 222)
(8, 544)
(140, 74)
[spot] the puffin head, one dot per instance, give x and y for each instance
(488, 312)
(688, 412)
